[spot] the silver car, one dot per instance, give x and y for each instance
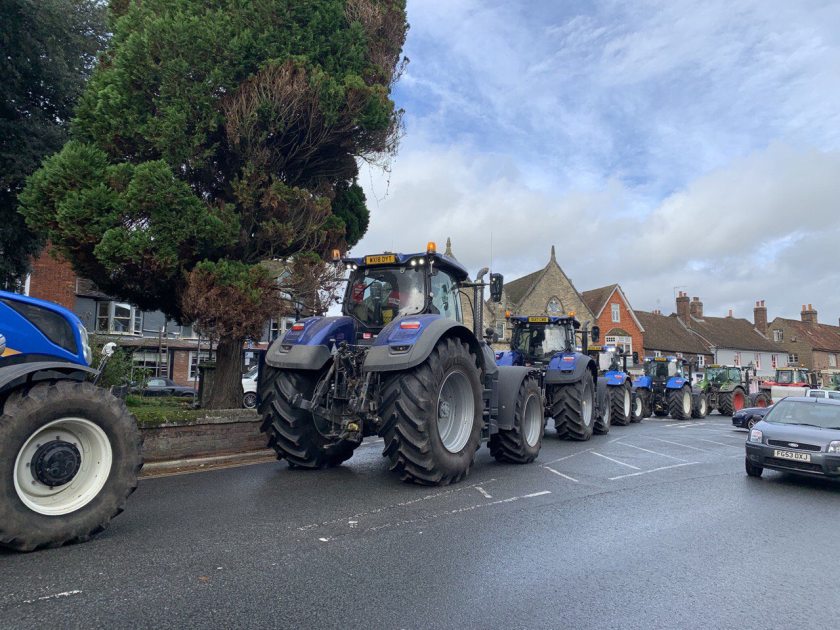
(798, 435)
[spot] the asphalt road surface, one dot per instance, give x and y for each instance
(652, 526)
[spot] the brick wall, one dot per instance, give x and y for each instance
(800, 347)
(626, 323)
(53, 279)
(180, 370)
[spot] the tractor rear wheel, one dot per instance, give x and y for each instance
(432, 416)
(297, 435)
(604, 421)
(701, 406)
(621, 399)
(573, 408)
(70, 453)
(679, 403)
(638, 408)
(760, 399)
(733, 401)
(521, 444)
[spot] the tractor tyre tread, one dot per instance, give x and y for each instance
(675, 404)
(567, 409)
(617, 403)
(510, 445)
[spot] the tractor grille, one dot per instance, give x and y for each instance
(801, 447)
(787, 463)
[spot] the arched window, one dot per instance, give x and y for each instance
(554, 305)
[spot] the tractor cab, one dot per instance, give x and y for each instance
(386, 287)
(536, 339)
(718, 376)
(791, 376)
(660, 369)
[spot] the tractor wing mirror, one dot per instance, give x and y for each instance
(596, 334)
(108, 349)
(496, 283)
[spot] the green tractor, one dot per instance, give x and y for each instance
(728, 389)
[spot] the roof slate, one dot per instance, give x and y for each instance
(733, 332)
(668, 334)
(596, 298)
(820, 336)
(517, 289)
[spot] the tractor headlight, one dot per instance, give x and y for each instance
(756, 436)
(83, 333)
(833, 447)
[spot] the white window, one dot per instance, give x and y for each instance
(657, 353)
(621, 343)
(793, 359)
(500, 329)
(118, 318)
(778, 335)
(196, 358)
(757, 360)
(737, 359)
(616, 313)
(701, 360)
(832, 360)
(554, 306)
(152, 361)
(774, 361)
(278, 327)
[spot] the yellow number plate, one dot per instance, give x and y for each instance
(660, 359)
(538, 320)
(593, 348)
(380, 260)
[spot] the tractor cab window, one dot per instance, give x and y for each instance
(734, 375)
(541, 342)
(378, 295)
(784, 377)
(660, 369)
(716, 375)
(445, 297)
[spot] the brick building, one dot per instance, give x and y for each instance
(158, 345)
(615, 317)
(806, 341)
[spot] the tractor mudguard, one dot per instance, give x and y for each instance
(560, 368)
(676, 382)
(510, 380)
(643, 382)
(601, 396)
(615, 379)
(12, 375)
(398, 348)
(509, 357)
(309, 348)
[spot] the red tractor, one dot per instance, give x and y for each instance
(789, 381)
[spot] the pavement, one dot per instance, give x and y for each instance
(651, 526)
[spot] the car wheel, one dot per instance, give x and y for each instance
(751, 423)
(249, 400)
(752, 469)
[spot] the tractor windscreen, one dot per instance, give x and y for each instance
(377, 295)
(716, 375)
(657, 369)
(542, 342)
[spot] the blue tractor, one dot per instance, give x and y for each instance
(399, 363)
(576, 397)
(69, 451)
(665, 389)
(619, 383)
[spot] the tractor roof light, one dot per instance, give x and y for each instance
(571, 313)
(431, 247)
(336, 255)
(507, 314)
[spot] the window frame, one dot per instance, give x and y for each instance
(615, 313)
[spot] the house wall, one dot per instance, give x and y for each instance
(626, 323)
(800, 346)
(763, 360)
(652, 352)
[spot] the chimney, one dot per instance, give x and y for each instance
(696, 308)
(809, 315)
(760, 317)
(729, 314)
(682, 308)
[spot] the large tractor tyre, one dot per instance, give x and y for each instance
(731, 402)
(573, 409)
(604, 421)
(522, 443)
(701, 406)
(760, 399)
(70, 453)
(621, 401)
(680, 403)
(297, 435)
(432, 416)
(638, 412)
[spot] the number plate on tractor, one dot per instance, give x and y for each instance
(538, 320)
(380, 260)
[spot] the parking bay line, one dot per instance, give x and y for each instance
(616, 461)
(557, 472)
(653, 452)
(560, 459)
(718, 443)
(693, 448)
(644, 472)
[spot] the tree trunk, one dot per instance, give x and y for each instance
(226, 391)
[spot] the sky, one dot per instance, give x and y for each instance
(665, 146)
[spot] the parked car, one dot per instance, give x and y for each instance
(161, 386)
(823, 393)
(249, 386)
(747, 418)
(799, 435)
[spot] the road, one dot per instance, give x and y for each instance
(652, 526)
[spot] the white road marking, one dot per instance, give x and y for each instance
(557, 472)
(693, 448)
(616, 461)
(684, 425)
(615, 440)
(560, 459)
(653, 452)
(56, 596)
(644, 472)
(718, 443)
(483, 492)
(536, 494)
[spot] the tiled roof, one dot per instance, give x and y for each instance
(818, 336)
(668, 334)
(516, 290)
(733, 332)
(596, 298)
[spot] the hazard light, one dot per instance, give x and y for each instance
(431, 247)
(298, 326)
